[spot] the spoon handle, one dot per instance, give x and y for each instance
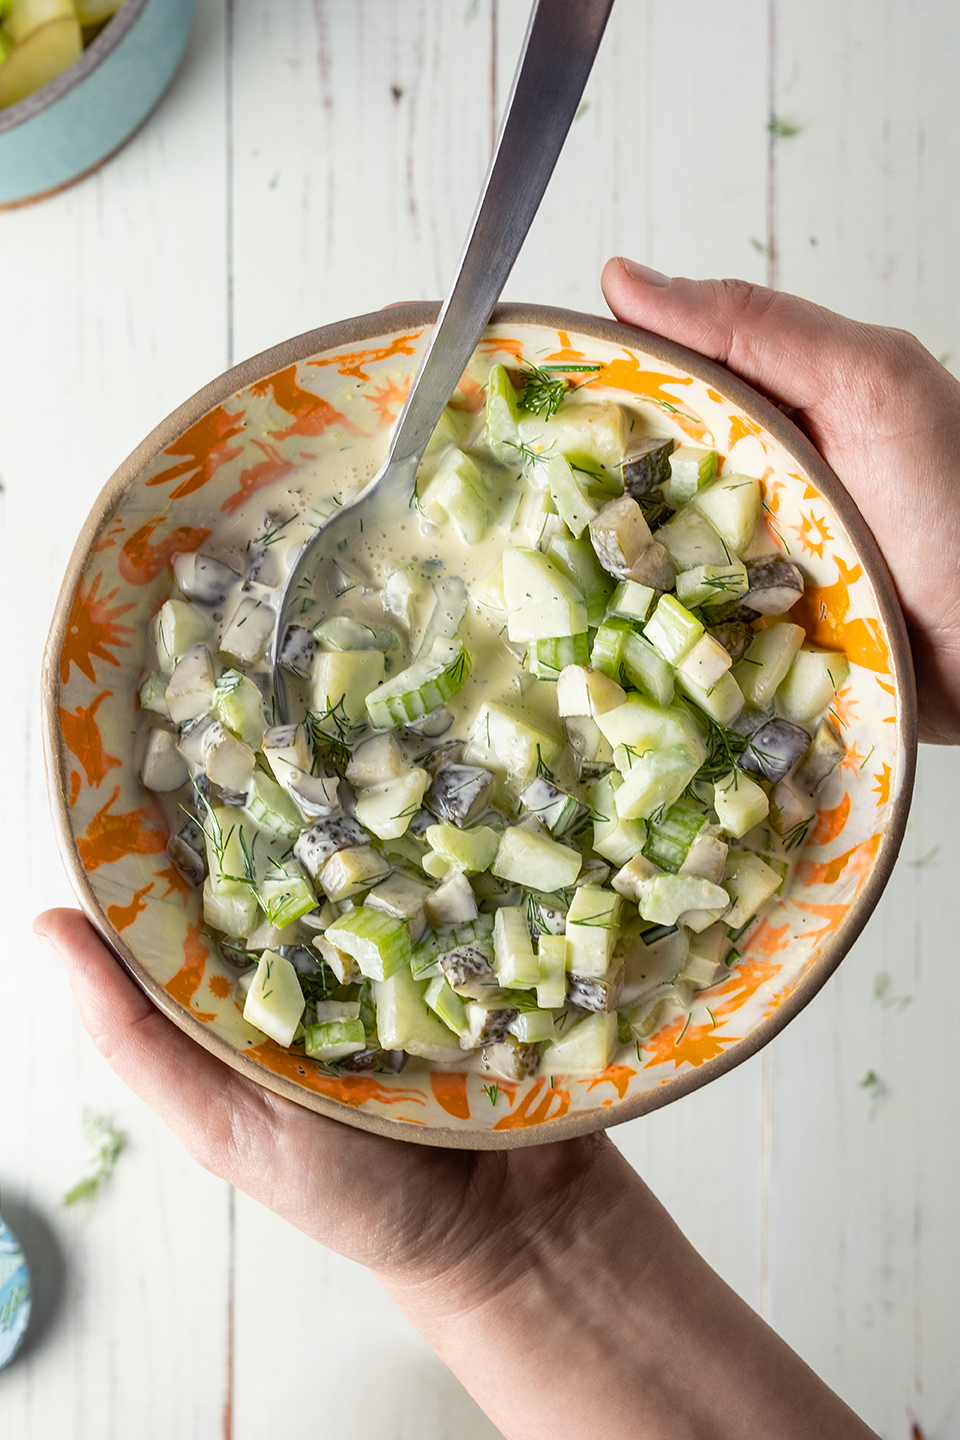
(558, 52)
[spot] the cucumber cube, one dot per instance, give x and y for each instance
(342, 680)
(275, 1002)
(356, 868)
(673, 631)
(386, 810)
(813, 679)
(712, 584)
(691, 541)
(656, 778)
(249, 631)
(619, 534)
(513, 957)
(646, 668)
(178, 627)
(535, 861)
(764, 667)
(606, 651)
(446, 1003)
(586, 1047)
(532, 1027)
(732, 504)
(502, 414)
(577, 559)
(615, 839)
(750, 882)
(631, 601)
(670, 835)
(555, 808)
(584, 431)
(471, 850)
(666, 897)
(285, 895)
(541, 601)
(504, 742)
(552, 963)
(592, 929)
(582, 691)
(379, 943)
(570, 495)
(739, 802)
(239, 704)
(706, 663)
(153, 693)
(723, 701)
(288, 752)
(190, 691)
(690, 469)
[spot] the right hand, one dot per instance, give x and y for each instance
(881, 410)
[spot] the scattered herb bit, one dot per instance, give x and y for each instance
(108, 1144)
(532, 457)
(492, 1092)
(797, 834)
(782, 129)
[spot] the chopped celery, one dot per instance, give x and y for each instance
(420, 689)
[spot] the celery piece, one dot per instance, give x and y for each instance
(646, 668)
(552, 965)
(546, 658)
(379, 943)
(270, 806)
(513, 957)
(275, 1002)
(578, 561)
(672, 630)
(631, 601)
(535, 861)
(670, 835)
(334, 1039)
(606, 651)
(420, 689)
(541, 601)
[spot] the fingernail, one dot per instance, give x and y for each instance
(644, 273)
(48, 945)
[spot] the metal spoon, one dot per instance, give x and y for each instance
(558, 52)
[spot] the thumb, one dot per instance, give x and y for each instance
(785, 346)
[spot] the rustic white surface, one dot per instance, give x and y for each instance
(316, 159)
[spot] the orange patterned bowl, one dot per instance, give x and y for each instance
(277, 416)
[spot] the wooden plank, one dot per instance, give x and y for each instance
(866, 1176)
(114, 310)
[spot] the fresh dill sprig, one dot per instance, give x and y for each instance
(726, 747)
(108, 1145)
(543, 393)
(532, 457)
(492, 1092)
(797, 834)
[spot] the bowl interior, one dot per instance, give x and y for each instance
(276, 422)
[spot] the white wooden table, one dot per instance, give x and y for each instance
(315, 159)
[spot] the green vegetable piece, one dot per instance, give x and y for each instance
(546, 658)
(275, 1001)
(421, 688)
(502, 413)
(670, 835)
(578, 561)
(378, 942)
(334, 1039)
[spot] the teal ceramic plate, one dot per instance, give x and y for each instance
(14, 1295)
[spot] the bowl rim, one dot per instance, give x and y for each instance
(116, 29)
(753, 404)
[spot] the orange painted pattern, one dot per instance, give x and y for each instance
(830, 823)
(619, 1076)
(313, 413)
(220, 986)
(206, 446)
(266, 472)
(176, 884)
(535, 1108)
(355, 362)
(626, 375)
(831, 915)
(81, 735)
(741, 426)
(140, 561)
(882, 787)
(93, 630)
(110, 837)
(679, 1042)
(122, 916)
(76, 785)
(389, 399)
(858, 860)
(450, 1093)
(355, 1090)
(823, 612)
(184, 985)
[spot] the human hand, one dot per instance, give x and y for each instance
(881, 410)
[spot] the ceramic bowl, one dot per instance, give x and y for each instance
(268, 420)
(69, 127)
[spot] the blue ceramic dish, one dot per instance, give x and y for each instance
(70, 126)
(14, 1295)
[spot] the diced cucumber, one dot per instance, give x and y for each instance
(488, 591)
(732, 505)
(535, 861)
(691, 541)
(555, 808)
(238, 702)
(631, 601)
(401, 591)
(582, 691)
(656, 778)
(750, 882)
(249, 631)
(672, 630)
(462, 491)
(765, 665)
(712, 584)
(379, 943)
(546, 658)
(615, 839)
(570, 495)
(505, 742)
(405, 1023)
(631, 879)
(578, 561)
(269, 805)
(670, 835)
(420, 689)
(666, 897)
(349, 871)
(334, 1039)
(593, 925)
(541, 601)
(339, 632)
(285, 894)
(288, 752)
(606, 651)
(646, 668)
(342, 680)
(585, 1047)
(642, 724)
(153, 693)
(532, 1027)
(552, 963)
(502, 414)
(163, 767)
(190, 689)
(178, 627)
(813, 679)
(739, 802)
(690, 469)
(444, 1001)
(588, 431)
(722, 702)
(471, 850)
(275, 1002)
(387, 809)
(513, 957)
(619, 534)
(706, 663)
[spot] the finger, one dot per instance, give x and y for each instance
(764, 336)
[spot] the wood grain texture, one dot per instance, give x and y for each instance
(316, 159)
